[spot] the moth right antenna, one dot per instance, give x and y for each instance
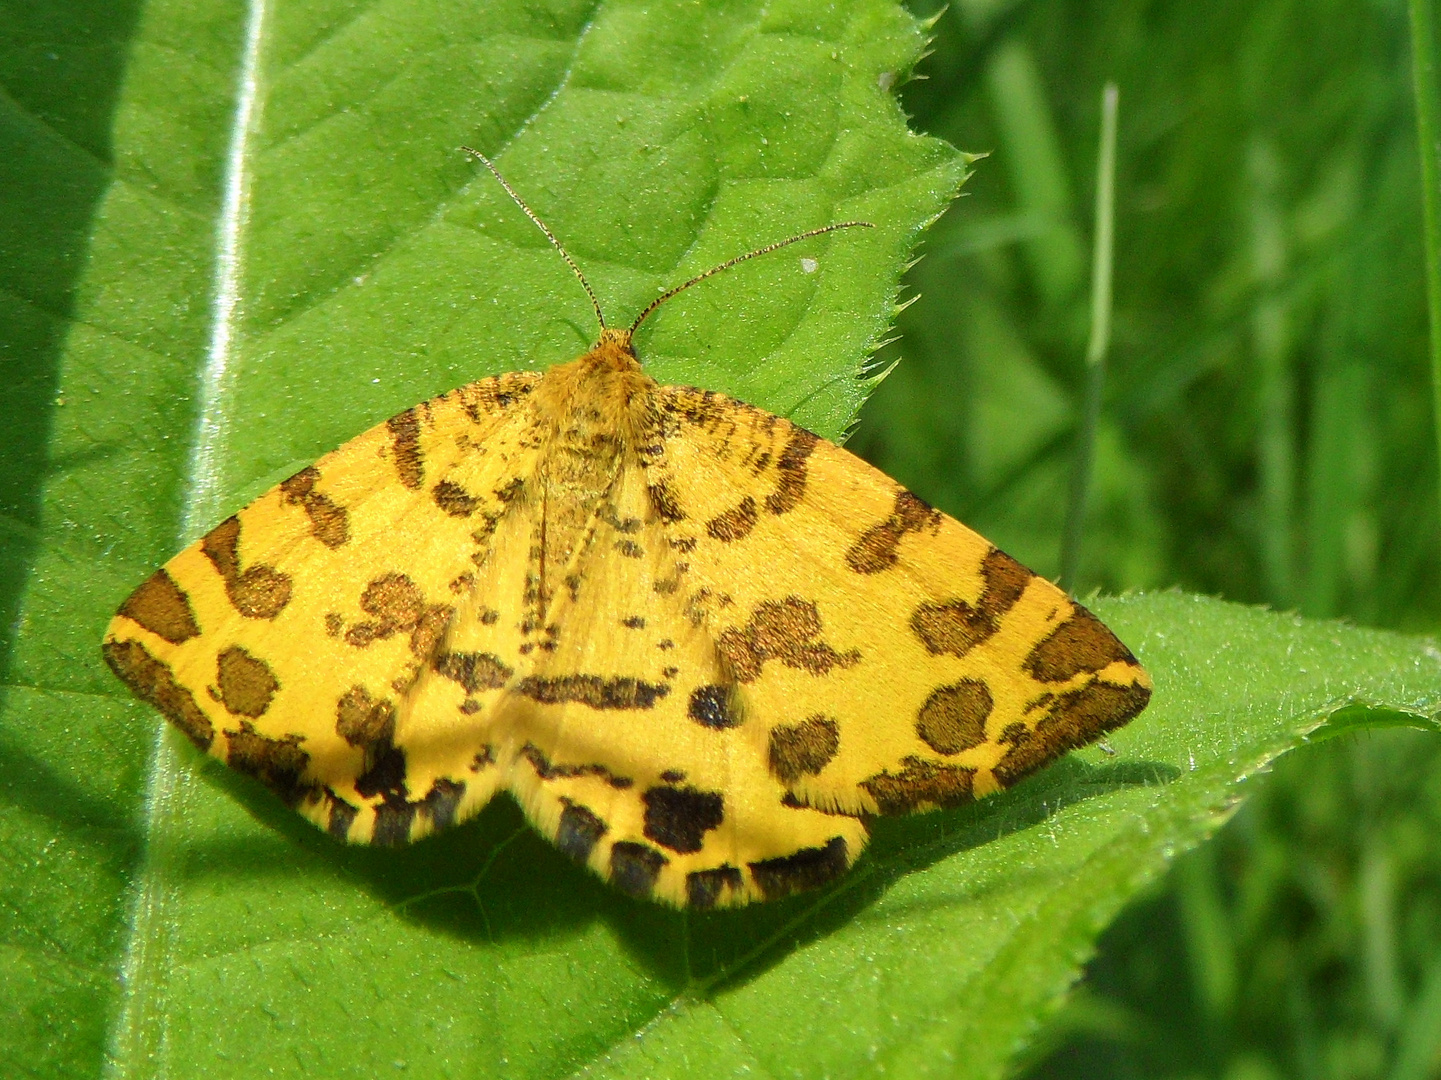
(663, 297)
(599, 317)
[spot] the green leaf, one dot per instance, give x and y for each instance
(163, 916)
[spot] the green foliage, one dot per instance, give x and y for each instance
(1301, 942)
(1267, 432)
(161, 916)
(1267, 435)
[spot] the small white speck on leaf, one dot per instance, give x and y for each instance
(810, 265)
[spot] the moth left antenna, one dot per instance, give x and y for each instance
(600, 318)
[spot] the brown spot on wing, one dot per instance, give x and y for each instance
(921, 784)
(154, 683)
(791, 471)
(454, 499)
(484, 398)
(510, 491)
(163, 608)
(1076, 717)
(441, 801)
(398, 605)
(384, 774)
(955, 626)
(342, 815)
(395, 601)
(624, 525)
(714, 706)
(422, 643)
(620, 692)
(409, 461)
(245, 682)
(803, 749)
(1080, 644)
(279, 763)
(679, 818)
(704, 887)
(395, 816)
(473, 670)
(484, 759)
(635, 867)
(808, 868)
(426, 633)
(362, 720)
(735, 524)
(580, 830)
(876, 548)
(329, 521)
(954, 717)
(786, 630)
(259, 592)
(393, 821)
(547, 770)
(664, 501)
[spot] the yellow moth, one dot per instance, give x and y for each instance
(700, 645)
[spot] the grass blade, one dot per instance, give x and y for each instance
(1428, 138)
(1100, 343)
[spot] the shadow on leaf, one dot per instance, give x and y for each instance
(494, 879)
(30, 785)
(742, 944)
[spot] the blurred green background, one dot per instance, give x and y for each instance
(1266, 436)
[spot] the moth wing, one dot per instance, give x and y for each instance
(625, 748)
(303, 640)
(888, 658)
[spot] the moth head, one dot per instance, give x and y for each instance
(615, 341)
